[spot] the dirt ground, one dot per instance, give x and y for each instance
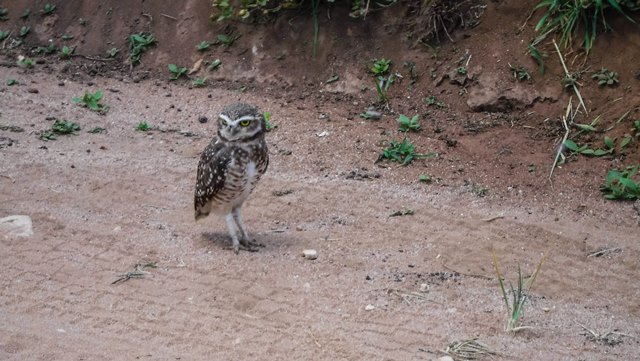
(383, 287)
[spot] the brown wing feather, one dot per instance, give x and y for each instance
(211, 175)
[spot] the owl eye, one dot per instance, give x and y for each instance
(245, 123)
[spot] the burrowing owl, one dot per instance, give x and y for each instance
(230, 168)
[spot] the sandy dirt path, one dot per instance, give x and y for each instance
(102, 203)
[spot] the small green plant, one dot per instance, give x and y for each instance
(138, 44)
(113, 52)
(621, 184)
(24, 31)
(25, 14)
(403, 152)
(227, 40)
(203, 45)
(4, 14)
(519, 295)
(462, 70)
(143, 127)
(4, 35)
(200, 82)
(214, 65)
(66, 37)
(519, 72)
(97, 130)
(407, 124)
(267, 119)
(605, 77)
(59, 127)
(425, 178)
(49, 49)
(402, 212)
(609, 148)
(176, 71)
(48, 9)
(11, 82)
(92, 101)
(380, 67)
(26, 62)
(66, 52)
(537, 55)
(636, 129)
(432, 100)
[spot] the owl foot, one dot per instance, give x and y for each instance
(238, 248)
(251, 243)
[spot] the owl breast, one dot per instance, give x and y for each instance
(242, 175)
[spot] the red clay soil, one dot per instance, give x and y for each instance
(383, 287)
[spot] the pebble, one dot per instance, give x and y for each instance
(369, 307)
(310, 254)
(33, 90)
(443, 358)
(17, 226)
(202, 119)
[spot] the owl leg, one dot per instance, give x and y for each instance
(244, 237)
(233, 232)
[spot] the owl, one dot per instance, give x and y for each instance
(230, 167)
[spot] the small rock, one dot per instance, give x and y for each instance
(33, 90)
(373, 114)
(202, 119)
(17, 226)
(369, 307)
(61, 83)
(443, 358)
(323, 134)
(310, 254)
(299, 228)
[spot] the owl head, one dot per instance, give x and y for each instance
(240, 122)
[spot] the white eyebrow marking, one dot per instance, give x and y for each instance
(247, 117)
(225, 118)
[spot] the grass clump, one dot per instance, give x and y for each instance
(403, 152)
(571, 18)
(621, 185)
(470, 349)
(92, 101)
(519, 295)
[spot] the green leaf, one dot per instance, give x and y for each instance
(625, 141)
(609, 143)
(571, 145)
(173, 68)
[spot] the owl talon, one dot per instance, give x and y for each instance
(251, 244)
(236, 249)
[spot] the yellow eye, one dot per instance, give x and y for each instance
(245, 123)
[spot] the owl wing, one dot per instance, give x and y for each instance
(211, 175)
